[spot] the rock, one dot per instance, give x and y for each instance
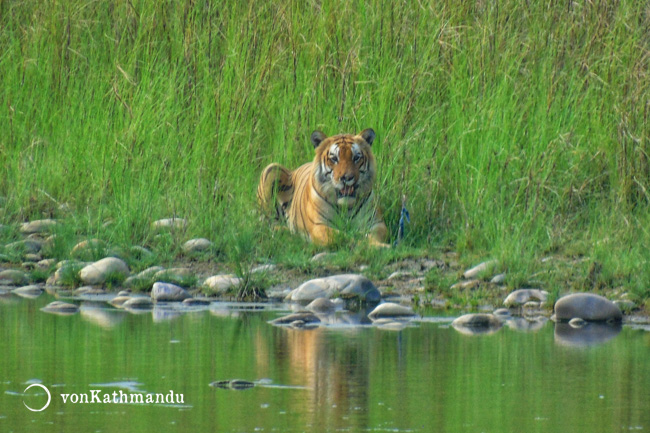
(165, 292)
(577, 322)
(527, 324)
(625, 305)
(98, 272)
(466, 284)
(501, 312)
(531, 305)
(306, 317)
(89, 290)
(587, 306)
(126, 292)
(29, 292)
(32, 259)
(197, 245)
(86, 248)
(321, 305)
(143, 280)
(263, 268)
(38, 226)
(391, 310)
(119, 300)
(474, 324)
(388, 324)
(137, 303)
(589, 335)
(178, 276)
(478, 269)
(221, 283)
(46, 263)
(58, 307)
(171, 223)
(521, 296)
(196, 301)
(498, 279)
(398, 275)
(235, 384)
(27, 246)
(321, 256)
(345, 286)
(13, 277)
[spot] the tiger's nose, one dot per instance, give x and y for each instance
(347, 179)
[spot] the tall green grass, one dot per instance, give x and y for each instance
(515, 129)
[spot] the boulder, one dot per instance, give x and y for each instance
(522, 296)
(166, 292)
(475, 324)
(587, 306)
(345, 286)
(98, 272)
(391, 310)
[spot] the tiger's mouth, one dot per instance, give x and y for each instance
(346, 191)
(346, 196)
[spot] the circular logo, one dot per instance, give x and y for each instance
(49, 397)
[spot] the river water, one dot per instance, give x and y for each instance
(427, 377)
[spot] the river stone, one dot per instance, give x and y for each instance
(587, 306)
(13, 277)
(98, 272)
(138, 303)
(498, 279)
(305, 317)
(625, 304)
(345, 286)
(89, 290)
(119, 300)
(196, 301)
(522, 296)
(476, 270)
(58, 307)
(87, 247)
(197, 245)
(263, 268)
(477, 321)
(321, 305)
(390, 310)
(166, 292)
(38, 226)
(577, 322)
(176, 276)
(466, 284)
(221, 283)
(29, 246)
(29, 292)
(173, 223)
(46, 263)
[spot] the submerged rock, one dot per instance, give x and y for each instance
(592, 333)
(321, 305)
(234, 384)
(475, 324)
(305, 317)
(58, 307)
(100, 271)
(137, 303)
(29, 292)
(390, 310)
(166, 292)
(344, 286)
(118, 301)
(587, 306)
(196, 301)
(522, 296)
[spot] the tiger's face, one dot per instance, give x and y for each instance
(344, 166)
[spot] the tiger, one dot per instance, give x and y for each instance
(337, 185)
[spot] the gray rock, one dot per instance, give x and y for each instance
(321, 256)
(178, 276)
(305, 317)
(527, 324)
(28, 246)
(221, 283)
(89, 290)
(473, 324)
(591, 334)
(87, 247)
(345, 286)
(29, 292)
(58, 307)
(321, 305)
(137, 303)
(119, 300)
(466, 284)
(196, 301)
(38, 226)
(577, 322)
(13, 277)
(521, 296)
(32, 259)
(46, 263)
(98, 272)
(478, 269)
(197, 245)
(392, 311)
(166, 292)
(587, 306)
(263, 268)
(172, 223)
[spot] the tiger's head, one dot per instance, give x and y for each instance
(344, 167)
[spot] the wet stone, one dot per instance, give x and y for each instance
(321, 305)
(137, 303)
(166, 292)
(587, 306)
(13, 277)
(119, 301)
(58, 307)
(196, 302)
(100, 271)
(89, 290)
(477, 321)
(306, 317)
(391, 310)
(29, 292)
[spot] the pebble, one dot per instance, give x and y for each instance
(221, 283)
(522, 296)
(87, 247)
(166, 292)
(137, 303)
(196, 301)
(197, 245)
(466, 284)
(98, 272)
(38, 226)
(478, 269)
(13, 277)
(498, 279)
(305, 317)
(264, 268)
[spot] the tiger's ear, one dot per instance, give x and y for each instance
(368, 135)
(317, 137)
